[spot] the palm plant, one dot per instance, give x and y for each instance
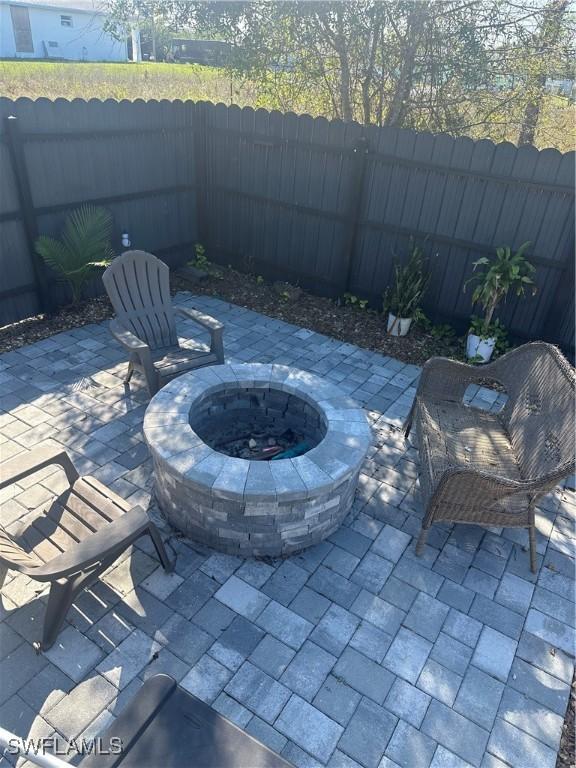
(84, 247)
(504, 272)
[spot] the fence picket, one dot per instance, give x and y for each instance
(276, 193)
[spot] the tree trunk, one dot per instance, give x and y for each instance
(345, 85)
(336, 40)
(490, 312)
(345, 78)
(369, 74)
(153, 33)
(400, 99)
(531, 115)
(547, 37)
(366, 106)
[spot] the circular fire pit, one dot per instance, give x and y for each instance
(255, 459)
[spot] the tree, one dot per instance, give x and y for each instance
(153, 17)
(409, 43)
(542, 64)
(472, 67)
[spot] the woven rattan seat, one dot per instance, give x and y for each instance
(492, 468)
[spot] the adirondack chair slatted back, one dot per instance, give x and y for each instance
(12, 555)
(540, 411)
(139, 288)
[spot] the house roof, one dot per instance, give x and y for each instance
(78, 6)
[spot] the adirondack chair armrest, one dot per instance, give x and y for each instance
(129, 340)
(210, 323)
(44, 455)
(215, 327)
(105, 543)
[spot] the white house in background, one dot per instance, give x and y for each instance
(57, 29)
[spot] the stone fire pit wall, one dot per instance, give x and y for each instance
(247, 507)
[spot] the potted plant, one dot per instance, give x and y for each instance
(490, 338)
(84, 247)
(402, 299)
(496, 277)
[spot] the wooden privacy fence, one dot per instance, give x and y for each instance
(322, 203)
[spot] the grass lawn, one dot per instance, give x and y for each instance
(157, 80)
(88, 80)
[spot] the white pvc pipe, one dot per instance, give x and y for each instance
(9, 741)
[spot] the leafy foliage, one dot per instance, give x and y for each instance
(203, 263)
(354, 301)
(477, 68)
(84, 247)
(497, 276)
(404, 296)
(443, 332)
(200, 260)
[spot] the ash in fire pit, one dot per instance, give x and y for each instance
(262, 445)
(258, 424)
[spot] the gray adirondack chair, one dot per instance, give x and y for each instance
(71, 540)
(139, 289)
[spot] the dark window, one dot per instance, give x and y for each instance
(66, 21)
(21, 27)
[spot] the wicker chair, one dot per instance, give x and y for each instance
(492, 468)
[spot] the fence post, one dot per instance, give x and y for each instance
(27, 210)
(200, 164)
(357, 196)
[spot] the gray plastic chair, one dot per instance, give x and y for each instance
(72, 539)
(138, 286)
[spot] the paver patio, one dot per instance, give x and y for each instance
(350, 653)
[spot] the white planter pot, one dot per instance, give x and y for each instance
(398, 326)
(478, 347)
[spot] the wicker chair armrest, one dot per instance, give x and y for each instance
(45, 455)
(105, 543)
(210, 323)
(448, 379)
(129, 340)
